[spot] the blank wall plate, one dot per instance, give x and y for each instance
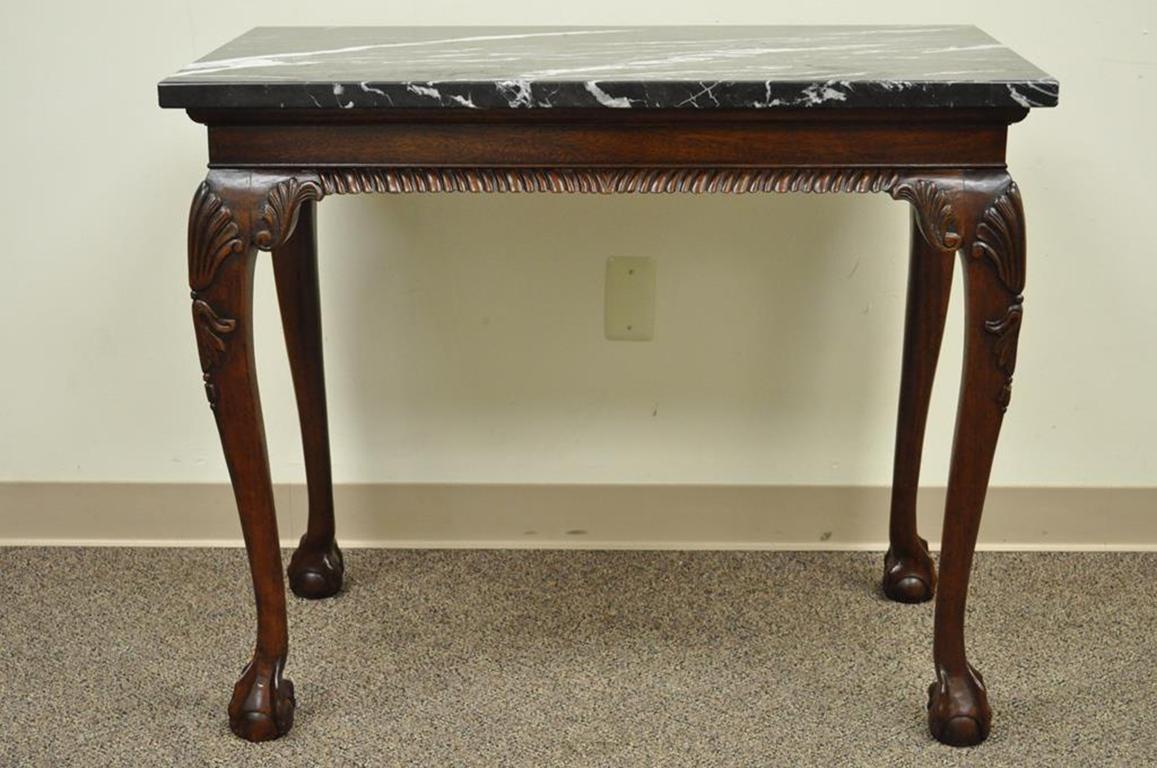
(630, 298)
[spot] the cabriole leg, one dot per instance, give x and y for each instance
(235, 213)
(994, 276)
(983, 213)
(316, 569)
(909, 575)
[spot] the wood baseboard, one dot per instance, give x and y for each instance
(572, 516)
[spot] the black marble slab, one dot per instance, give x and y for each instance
(610, 67)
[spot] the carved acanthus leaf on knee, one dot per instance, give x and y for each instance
(278, 211)
(231, 212)
(1000, 240)
(987, 219)
(933, 200)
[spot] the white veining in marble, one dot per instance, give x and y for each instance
(615, 67)
(209, 65)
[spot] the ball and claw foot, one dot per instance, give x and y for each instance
(958, 711)
(262, 705)
(909, 577)
(316, 571)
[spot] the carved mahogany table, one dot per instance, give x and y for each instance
(918, 113)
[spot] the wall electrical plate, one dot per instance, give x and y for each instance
(630, 298)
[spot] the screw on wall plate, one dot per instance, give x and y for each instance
(630, 298)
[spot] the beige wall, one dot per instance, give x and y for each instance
(465, 333)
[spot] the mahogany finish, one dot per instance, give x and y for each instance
(316, 568)
(270, 170)
(902, 140)
(909, 575)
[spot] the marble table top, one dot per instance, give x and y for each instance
(709, 67)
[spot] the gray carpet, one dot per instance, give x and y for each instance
(125, 657)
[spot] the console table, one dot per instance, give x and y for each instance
(295, 114)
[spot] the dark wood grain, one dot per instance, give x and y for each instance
(234, 213)
(909, 574)
(742, 143)
(978, 213)
(222, 281)
(273, 166)
(316, 568)
(993, 259)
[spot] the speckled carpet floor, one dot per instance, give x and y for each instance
(125, 657)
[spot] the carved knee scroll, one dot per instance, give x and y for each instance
(232, 214)
(1000, 241)
(979, 212)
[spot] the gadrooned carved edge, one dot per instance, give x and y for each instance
(609, 180)
(214, 233)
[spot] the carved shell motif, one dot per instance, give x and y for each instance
(213, 235)
(934, 213)
(279, 213)
(1000, 238)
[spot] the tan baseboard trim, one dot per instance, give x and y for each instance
(572, 516)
